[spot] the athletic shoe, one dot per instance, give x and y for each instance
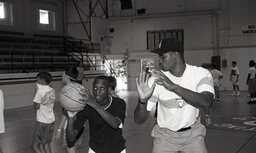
(233, 94)
(251, 102)
(238, 93)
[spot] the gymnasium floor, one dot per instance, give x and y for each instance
(233, 129)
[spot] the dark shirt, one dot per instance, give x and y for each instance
(103, 138)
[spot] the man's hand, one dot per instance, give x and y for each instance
(163, 80)
(144, 91)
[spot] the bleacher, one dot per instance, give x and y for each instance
(20, 53)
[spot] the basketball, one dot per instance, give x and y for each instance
(70, 97)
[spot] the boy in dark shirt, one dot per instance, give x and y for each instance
(106, 116)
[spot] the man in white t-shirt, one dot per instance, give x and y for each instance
(180, 90)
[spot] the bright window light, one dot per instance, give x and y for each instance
(2, 15)
(44, 16)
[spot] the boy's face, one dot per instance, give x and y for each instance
(101, 90)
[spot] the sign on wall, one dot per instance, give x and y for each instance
(248, 29)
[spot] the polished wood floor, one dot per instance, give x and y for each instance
(233, 129)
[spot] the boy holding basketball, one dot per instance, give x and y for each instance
(45, 120)
(106, 116)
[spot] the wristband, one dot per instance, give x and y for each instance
(59, 130)
(143, 103)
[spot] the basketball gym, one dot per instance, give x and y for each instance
(114, 37)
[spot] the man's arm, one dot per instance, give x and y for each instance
(144, 92)
(141, 113)
(196, 99)
(199, 100)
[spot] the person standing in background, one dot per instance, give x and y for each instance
(112, 81)
(80, 70)
(216, 76)
(45, 119)
(2, 125)
(251, 82)
(234, 78)
(68, 77)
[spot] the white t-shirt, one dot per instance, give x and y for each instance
(173, 112)
(216, 74)
(2, 125)
(45, 96)
(234, 71)
(252, 72)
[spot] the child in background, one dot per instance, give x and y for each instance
(2, 126)
(251, 82)
(45, 120)
(69, 76)
(80, 70)
(234, 78)
(216, 76)
(112, 81)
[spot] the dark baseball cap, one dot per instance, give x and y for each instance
(169, 45)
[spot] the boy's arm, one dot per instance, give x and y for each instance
(70, 131)
(248, 77)
(221, 75)
(36, 106)
(111, 120)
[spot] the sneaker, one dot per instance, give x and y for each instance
(233, 94)
(238, 93)
(217, 101)
(251, 102)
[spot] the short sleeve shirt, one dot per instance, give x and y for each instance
(252, 72)
(173, 112)
(235, 71)
(45, 96)
(103, 138)
(216, 74)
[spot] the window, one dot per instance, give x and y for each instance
(44, 16)
(2, 14)
(6, 14)
(46, 20)
(154, 37)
